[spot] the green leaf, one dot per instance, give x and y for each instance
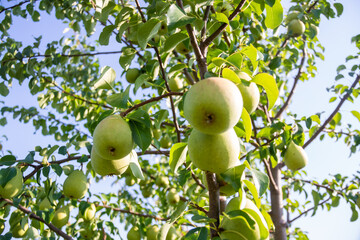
(220, 17)
(173, 40)
(140, 81)
(119, 100)
(7, 160)
(135, 166)
(6, 174)
(339, 8)
(127, 55)
(164, 231)
(140, 116)
(356, 114)
(262, 179)
(147, 30)
(236, 59)
(274, 13)
(105, 35)
(253, 191)
(247, 124)
(332, 99)
(316, 197)
(252, 53)
(177, 18)
(231, 75)
(355, 214)
(103, 9)
(269, 84)
(141, 134)
(4, 91)
(178, 211)
(177, 156)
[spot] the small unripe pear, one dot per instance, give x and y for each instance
(134, 234)
(61, 216)
(75, 185)
(132, 74)
(296, 28)
(175, 84)
(89, 213)
(172, 197)
(295, 157)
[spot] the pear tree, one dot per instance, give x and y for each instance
(170, 119)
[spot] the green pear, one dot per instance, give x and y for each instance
(233, 204)
(61, 217)
(113, 138)
(134, 234)
(132, 74)
(32, 233)
(163, 28)
(165, 141)
(213, 105)
(291, 16)
(172, 234)
(175, 84)
(88, 231)
(147, 192)
(250, 94)
(182, 48)
(2, 226)
(13, 187)
(295, 157)
(214, 153)
(18, 231)
(105, 167)
(75, 185)
(156, 133)
(45, 204)
(89, 213)
(172, 197)
(296, 28)
(130, 181)
(152, 231)
(162, 181)
(68, 169)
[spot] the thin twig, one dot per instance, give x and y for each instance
(36, 217)
(140, 11)
(308, 210)
(296, 80)
(269, 173)
(321, 128)
(16, 5)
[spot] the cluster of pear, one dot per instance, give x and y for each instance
(295, 26)
(112, 146)
(152, 232)
(213, 107)
(243, 221)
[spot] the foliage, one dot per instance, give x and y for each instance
(218, 38)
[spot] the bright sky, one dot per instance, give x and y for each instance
(325, 158)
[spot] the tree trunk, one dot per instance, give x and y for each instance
(214, 203)
(277, 210)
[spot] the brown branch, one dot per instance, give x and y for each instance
(310, 209)
(296, 80)
(184, 199)
(205, 20)
(222, 27)
(269, 173)
(282, 45)
(140, 11)
(169, 90)
(123, 114)
(16, 5)
(36, 217)
(312, 6)
(214, 203)
(349, 91)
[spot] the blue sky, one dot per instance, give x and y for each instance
(326, 157)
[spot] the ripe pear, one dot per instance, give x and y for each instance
(105, 167)
(165, 141)
(214, 153)
(75, 185)
(250, 94)
(132, 74)
(213, 105)
(13, 187)
(89, 213)
(113, 138)
(182, 49)
(296, 28)
(134, 234)
(295, 157)
(152, 232)
(61, 216)
(175, 84)
(172, 197)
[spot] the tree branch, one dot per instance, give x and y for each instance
(16, 5)
(349, 91)
(310, 209)
(296, 80)
(211, 38)
(214, 203)
(36, 217)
